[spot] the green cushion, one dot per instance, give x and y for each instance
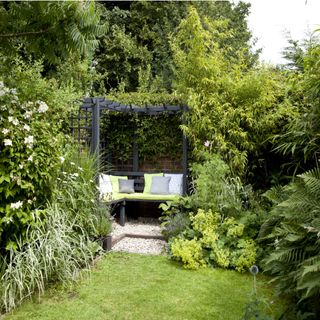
(148, 180)
(144, 196)
(115, 182)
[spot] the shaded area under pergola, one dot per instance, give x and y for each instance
(93, 108)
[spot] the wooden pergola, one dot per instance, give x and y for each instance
(96, 105)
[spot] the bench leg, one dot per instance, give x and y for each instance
(122, 214)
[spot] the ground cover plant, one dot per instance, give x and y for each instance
(128, 286)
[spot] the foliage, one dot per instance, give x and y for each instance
(235, 110)
(59, 241)
(146, 98)
(253, 310)
(214, 188)
(214, 241)
(294, 262)
(136, 53)
(153, 141)
(174, 218)
(29, 159)
(52, 250)
(32, 119)
(301, 137)
(50, 30)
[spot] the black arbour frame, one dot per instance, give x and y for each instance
(88, 120)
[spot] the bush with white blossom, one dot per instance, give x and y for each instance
(30, 145)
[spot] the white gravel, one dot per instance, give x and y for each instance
(136, 228)
(139, 245)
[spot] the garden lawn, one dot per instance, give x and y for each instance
(131, 286)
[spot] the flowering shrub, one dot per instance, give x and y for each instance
(29, 159)
(214, 241)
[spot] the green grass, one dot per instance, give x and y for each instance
(128, 286)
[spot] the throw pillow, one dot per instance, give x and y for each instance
(148, 180)
(126, 186)
(105, 185)
(176, 182)
(115, 182)
(160, 185)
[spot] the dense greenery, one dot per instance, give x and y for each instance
(295, 238)
(235, 110)
(250, 128)
(136, 53)
(50, 30)
(49, 215)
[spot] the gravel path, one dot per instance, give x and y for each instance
(136, 244)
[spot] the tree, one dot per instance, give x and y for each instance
(140, 35)
(301, 139)
(232, 108)
(48, 29)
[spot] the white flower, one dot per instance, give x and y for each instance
(30, 158)
(7, 142)
(43, 107)
(13, 91)
(15, 121)
(72, 163)
(16, 205)
(29, 201)
(62, 159)
(80, 169)
(1, 84)
(207, 143)
(75, 174)
(28, 140)
(26, 127)
(5, 131)
(27, 115)
(8, 220)
(20, 166)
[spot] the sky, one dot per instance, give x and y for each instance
(270, 20)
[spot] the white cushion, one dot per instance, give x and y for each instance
(105, 185)
(175, 184)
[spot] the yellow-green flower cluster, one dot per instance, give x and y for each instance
(215, 242)
(189, 251)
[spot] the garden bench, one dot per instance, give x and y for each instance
(139, 195)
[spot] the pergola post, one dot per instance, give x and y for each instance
(95, 130)
(184, 155)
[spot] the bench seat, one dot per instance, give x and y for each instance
(123, 198)
(143, 196)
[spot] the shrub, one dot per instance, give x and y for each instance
(28, 161)
(294, 237)
(212, 241)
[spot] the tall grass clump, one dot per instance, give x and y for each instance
(61, 240)
(55, 250)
